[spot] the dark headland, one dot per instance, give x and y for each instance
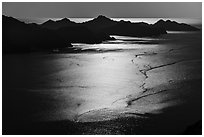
(19, 37)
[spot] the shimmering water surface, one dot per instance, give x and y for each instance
(75, 86)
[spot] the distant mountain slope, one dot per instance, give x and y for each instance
(78, 32)
(20, 37)
(50, 24)
(99, 23)
(104, 25)
(174, 26)
(81, 34)
(125, 28)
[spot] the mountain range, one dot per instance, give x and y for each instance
(18, 36)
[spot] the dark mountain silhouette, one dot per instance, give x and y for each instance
(99, 29)
(99, 23)
(81, 34)
(50, 24)
(126, 28)
(174, 26)
(20, 37)
(95, 24)
(78, 32)
(102, 26)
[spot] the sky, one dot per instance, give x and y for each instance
(109, 9)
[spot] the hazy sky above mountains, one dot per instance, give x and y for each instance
(93, 9)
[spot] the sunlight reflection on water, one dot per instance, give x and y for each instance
(98, 82)
(94, 81)
(72, 84)
(121, 43)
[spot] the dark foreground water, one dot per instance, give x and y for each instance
(127, 86)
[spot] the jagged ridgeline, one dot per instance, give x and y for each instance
(21, 37)
(174, 26)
